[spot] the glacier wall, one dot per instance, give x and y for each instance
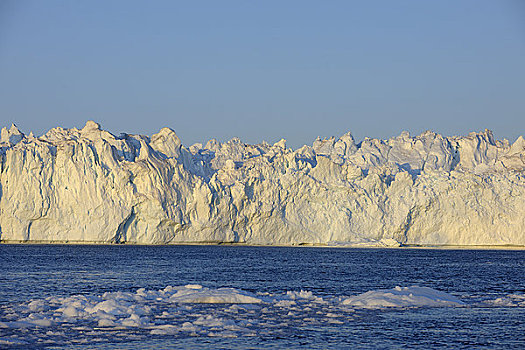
(88, 185)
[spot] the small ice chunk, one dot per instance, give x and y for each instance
(209, 321)
(106, 322)
(188, 327)
(33, 320)
(36, 305)
(134, 320)
(12, 341)
(71, 311)
(511, 300)
(285, 303)
(303, 294)
(111, 306)
(166, 329)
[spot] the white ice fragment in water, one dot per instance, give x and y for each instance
(111, 306)
(135, 320)
(165, 329)
(511, 300)
(106, 322)
(12, 341)
(188, 327)
(213, 296)
(71, 311)
(285, 303)
(403, 297)
(36, 320)
(303, 294)
(36, 305)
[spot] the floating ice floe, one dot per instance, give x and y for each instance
(198, 294)
(118, 309)
(403, 297)
(194, 310)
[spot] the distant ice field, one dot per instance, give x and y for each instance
(138, 297)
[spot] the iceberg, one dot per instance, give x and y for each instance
(90, 186)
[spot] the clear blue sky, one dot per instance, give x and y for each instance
(265, 70)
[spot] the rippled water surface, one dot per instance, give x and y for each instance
(149, 297)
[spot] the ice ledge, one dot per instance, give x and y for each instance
(299, 245)
(87, 185)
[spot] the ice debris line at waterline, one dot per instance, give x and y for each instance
(88, 185)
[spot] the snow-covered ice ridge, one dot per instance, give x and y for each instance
(88, 185)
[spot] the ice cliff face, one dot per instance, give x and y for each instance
(88, 185)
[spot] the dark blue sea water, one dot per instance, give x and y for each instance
(37, 282)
